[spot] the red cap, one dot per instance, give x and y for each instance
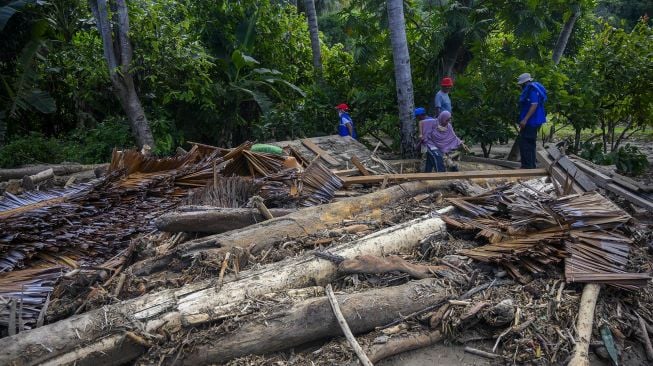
(446, 82)
(342, 107)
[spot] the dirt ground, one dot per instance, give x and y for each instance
(438, 354)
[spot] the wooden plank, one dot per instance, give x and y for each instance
(561, 178)
(581, 178)
(608, 184)
(323, 154)
(346, 172)
(629, 196)
(446, 176)
(356, 161)
(498, 162)
(621, 180)
(598, 177)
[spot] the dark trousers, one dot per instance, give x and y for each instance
(527, 144)
(434, 160)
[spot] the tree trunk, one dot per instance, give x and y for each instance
(198, 303)
(214, 220)
(126, 92)
(311, 17)
(118, 53)
(403, 78)
(565, 33)
(313, 320)
(3, 129)
(577, 139)
(303, 222)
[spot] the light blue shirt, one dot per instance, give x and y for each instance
(443, 101)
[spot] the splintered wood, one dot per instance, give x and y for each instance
(529, 232)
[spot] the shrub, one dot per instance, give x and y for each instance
(630, 161)
(31, 149)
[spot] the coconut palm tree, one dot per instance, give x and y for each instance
(403, 79)
(311, 17)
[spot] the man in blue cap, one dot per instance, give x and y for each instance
(531, 117)
(432, 157)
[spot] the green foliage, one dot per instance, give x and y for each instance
(225, 71)
(594, 153)
(90, 146)
(31, 149)
(630, 161)
(86, 146)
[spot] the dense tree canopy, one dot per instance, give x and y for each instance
(222, 72)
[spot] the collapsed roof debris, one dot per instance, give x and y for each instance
(79, 227)
(506, 280)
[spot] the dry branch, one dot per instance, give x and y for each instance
(342, 322)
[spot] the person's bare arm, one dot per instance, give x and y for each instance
(528, 115)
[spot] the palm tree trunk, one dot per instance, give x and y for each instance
(565, 33)
(403, 79)
(118, 53)
(311, 17)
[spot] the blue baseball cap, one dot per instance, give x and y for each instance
(419, 111)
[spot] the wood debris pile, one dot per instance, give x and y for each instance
(47, 233)
(528, 231)
(231, 256)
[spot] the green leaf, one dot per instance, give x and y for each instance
(7, 11)
(264, 71)
(41, 101)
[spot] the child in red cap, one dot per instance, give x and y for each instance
(346, 124)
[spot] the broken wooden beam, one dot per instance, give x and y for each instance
(611, 185)
(525, 173)
(570, 168)
(213, 220)
(321, 153)
(584, 324)
(359, 165)
(563, 182)
(305, 221)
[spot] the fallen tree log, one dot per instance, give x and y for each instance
(64, 169)
(30, 181)
(403, 343)
(197, 303)
(373, 264)
(306, 221)
(313, 320)
(214, 220)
